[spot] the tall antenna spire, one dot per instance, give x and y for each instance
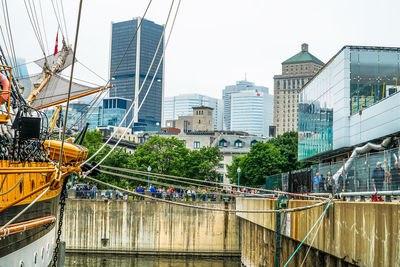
(245, 76)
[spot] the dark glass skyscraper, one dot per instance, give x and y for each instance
(131, 72)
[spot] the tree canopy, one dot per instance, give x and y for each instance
(277, 155)
(163, 155)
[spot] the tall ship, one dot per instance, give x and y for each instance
(34, 162)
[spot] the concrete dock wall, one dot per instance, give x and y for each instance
(352, 233)
(149, 227)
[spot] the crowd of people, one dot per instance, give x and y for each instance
(169, 193)
(380, 180)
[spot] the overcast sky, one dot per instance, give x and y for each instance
(215, 42)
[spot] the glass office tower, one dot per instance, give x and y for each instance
(352, 100)
(128, 75)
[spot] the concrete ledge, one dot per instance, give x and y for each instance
(157, 253)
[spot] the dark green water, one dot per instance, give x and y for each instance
(92, 260)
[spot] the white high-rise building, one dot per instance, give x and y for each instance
(227, 98)
(182, 105)
(252, 111)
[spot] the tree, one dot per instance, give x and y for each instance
(163, 155)
(277, 155)
(92, 141)
(263, 160)
(287, 144)
(201, 164)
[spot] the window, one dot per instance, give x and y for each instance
(238, 143)
(196, 145)
(223, 143)
(253, 142)
(220, 166)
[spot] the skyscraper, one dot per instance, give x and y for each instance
(252, 111)
(226, 98)
(296, 72)
(128, 75)
(182, 105)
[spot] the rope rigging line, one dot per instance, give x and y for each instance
(70, 84)
(5, 43)
(116, 68)
(158, 175)
(58, 20)
(80, 62)
(312, 241)
(34, 27)
(80, 80)
(302, 242)
(164, 177)
(65, 24)
(24, 210)
(44, 27)
(171, 185)
(211, 209)
(133, 103)
(93, 104)
(14, 186)
(12, 55)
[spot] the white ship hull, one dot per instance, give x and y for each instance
(37, 254)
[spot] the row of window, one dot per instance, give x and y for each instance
(291, 83)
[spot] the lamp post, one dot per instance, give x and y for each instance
(238, 171)
(148, 177)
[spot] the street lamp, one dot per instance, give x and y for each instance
(148, 177)
(238, 171)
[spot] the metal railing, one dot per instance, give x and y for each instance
(358, 178)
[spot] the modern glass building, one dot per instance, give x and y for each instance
(94, 117)
(114, 110)
(227, 100)
(352, 100)
(252, 111)
(128, 75)
(182, 105)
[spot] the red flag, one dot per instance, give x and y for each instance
(56, 47)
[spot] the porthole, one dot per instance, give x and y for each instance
(48, 249)
(35, 258)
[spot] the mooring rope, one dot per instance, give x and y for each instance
(211, 209)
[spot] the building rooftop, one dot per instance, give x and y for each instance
(202, 107)
(303, 56)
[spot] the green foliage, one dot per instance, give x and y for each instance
(163, 155)
(278, 155)
(93, 141)
(263, 160)
(201, 164)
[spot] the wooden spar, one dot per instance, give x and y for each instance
(11, 170)
(54, 118)
(23, 226)
(37, 90)
(74, 97)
